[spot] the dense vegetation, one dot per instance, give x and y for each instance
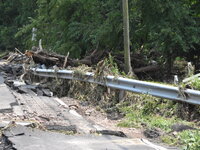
(13, 16)
(171, 28)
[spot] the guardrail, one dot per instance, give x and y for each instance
(136, 86)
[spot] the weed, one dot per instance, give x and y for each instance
(80, 71)
(195, 83)
(148, 112)
(169, 140)
(191, 139)
(3, 53)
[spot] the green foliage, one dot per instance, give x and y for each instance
(169, 140)
(151, 111)
(113, 66)
(148, 112)
(78, 26)
(13, 15)
(195, 83)
(191, 139)
(168, 27)
(3, 53)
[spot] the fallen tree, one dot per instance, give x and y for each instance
(147, 68)
(50, 59)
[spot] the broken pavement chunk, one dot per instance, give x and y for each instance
(62, 128)
(110, 132)
(151, 133)
(181, 127)
(47, 92)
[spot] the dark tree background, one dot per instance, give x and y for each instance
(170, 28)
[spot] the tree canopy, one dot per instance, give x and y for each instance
(170, 27)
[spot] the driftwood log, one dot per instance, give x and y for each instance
(147, 69)
(51, 59)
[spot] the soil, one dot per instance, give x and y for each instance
(100, 118)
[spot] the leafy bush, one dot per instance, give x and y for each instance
(191, 140)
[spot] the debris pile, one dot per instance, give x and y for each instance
(51, 59)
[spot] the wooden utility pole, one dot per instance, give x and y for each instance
(127, 59)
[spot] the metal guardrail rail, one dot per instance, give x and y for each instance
(136, 86)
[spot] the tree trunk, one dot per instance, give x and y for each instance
(127, 60)
(169, 63)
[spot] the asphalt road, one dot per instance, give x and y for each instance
(7, 100)
(25, 138)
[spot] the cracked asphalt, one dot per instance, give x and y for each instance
(28, 109)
